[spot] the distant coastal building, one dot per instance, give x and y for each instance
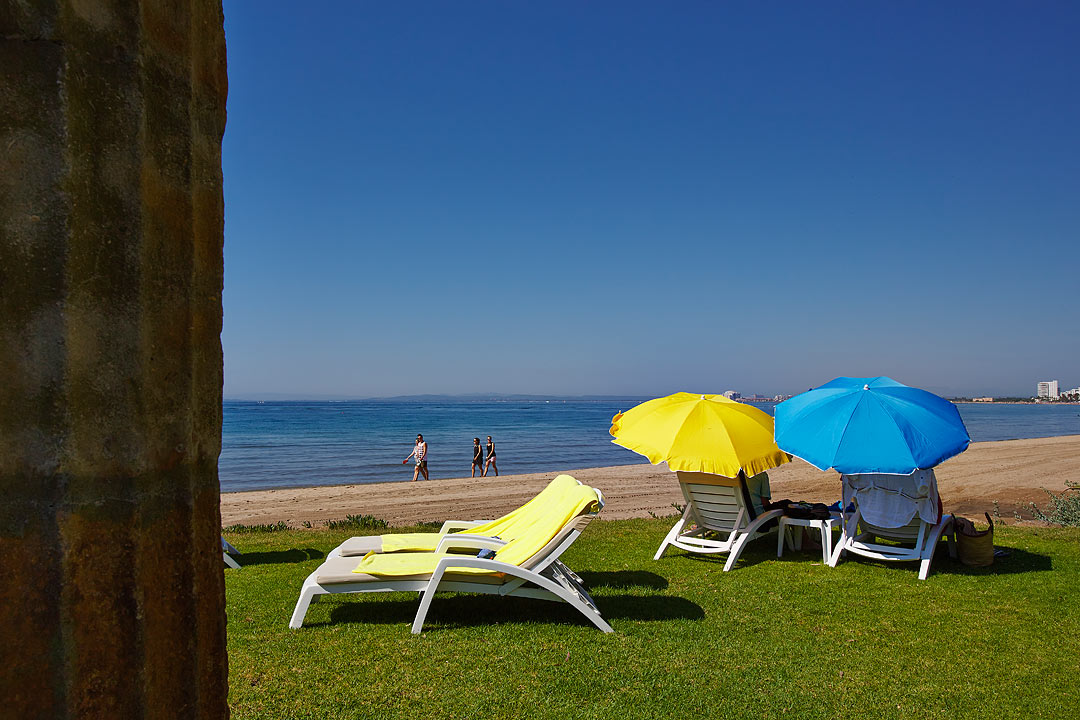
(982, 399)
(780, 398)
(1048, 389)
(732, 395)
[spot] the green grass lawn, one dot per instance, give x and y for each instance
(771, 638)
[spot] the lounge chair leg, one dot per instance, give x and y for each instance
(826, 541)
(733, 556)
(302, 604)
(425, 600)
(671, 536)
(781, 535)
(577, 598)
(229, 561)
(838, 550)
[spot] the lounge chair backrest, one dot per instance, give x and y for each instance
(908, 532)
(554, 524)
(913, 532)
(716, 501)
(546, 555)
(518, 521)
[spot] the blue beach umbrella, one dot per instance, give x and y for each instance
(870, 425)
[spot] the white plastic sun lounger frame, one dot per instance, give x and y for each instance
(551, 580)
(463, 541)
(449, 527)
(857, 534)
(227, 550)
(718, 508)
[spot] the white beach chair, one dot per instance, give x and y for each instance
(539, 575)
(917, 539)
(227, 551)
(505, 528)
(716, 504)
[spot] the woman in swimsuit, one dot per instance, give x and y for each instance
(490, 458)
(419, 453)
(477, 457)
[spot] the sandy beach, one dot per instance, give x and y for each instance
(1011, 472)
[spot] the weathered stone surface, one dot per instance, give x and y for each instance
(111, 221)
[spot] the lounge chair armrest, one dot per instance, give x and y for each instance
(452, 562)
(764, 518)
(468, 542)
(452, 525)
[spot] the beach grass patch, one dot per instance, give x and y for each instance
(240, 529)
(358, 522)
(787, 637)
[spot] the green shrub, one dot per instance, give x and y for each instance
(431, 526)
(358, 522)
(678, 507)
(263, 528)
(1063, 509)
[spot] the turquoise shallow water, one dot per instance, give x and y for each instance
(298, 444)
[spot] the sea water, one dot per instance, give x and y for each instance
(298, 444)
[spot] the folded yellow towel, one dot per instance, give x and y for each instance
(506, 528)
(547, 523)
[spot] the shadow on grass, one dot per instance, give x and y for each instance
(1019, 561)
(750, 556)
(292, 555)
(478, 610)
(623, 579)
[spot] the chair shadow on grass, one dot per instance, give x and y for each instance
(461, 611)
(759, 551)
(623, 579)
(292, 555)
(1020, 561)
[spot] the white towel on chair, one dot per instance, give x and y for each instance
(891, 501)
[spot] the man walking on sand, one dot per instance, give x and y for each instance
(420, 454)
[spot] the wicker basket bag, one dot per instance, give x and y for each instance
(975, 547)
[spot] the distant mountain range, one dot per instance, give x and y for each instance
(466, 398)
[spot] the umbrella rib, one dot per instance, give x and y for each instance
(907, 447)
(916, 429)
(843, 435)
(702, 408)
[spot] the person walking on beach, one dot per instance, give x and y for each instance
(419, 454)
(490, 458)
(477, 457)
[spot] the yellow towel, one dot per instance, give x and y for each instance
(410, 542)
(506, 528)
(549, 520)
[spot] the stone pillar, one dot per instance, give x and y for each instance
(111, 218)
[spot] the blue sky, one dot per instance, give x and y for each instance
(637, 198)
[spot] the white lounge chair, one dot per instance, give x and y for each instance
(716, 504)
(506, 528)
(886, 496)
(534, 572)
(227, 551)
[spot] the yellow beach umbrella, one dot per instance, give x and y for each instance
(700, 433)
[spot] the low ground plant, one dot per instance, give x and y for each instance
(358, 522)
(1062, 509)
(240, 529)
